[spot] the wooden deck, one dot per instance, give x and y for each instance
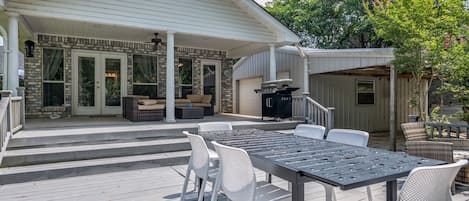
(156, 184)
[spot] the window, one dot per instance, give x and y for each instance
(145, 75)
(185, 77)
(365, 92)
(53, 77)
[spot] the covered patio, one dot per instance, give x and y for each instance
(81, 61)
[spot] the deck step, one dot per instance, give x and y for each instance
(64, 136)
(89, 167)
(44, 155)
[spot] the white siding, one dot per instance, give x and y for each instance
(216, 18)
(330, 64)
(338, 91)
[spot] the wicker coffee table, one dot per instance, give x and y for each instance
(189, 112)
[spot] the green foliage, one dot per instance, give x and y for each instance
(426, 37)
(436, 117)
(327, 23)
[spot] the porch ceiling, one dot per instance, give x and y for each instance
(234, 48)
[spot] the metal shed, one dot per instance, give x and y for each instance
(334, 78)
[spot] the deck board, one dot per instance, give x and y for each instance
(163, 183)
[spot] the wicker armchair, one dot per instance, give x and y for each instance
(132, 111)
(417, 144)
(414, 131)
(442, 151)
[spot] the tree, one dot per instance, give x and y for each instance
(330, 24)
(425, 35)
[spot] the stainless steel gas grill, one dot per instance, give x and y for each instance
(277, 98)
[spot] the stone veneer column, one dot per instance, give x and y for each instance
(170, 78)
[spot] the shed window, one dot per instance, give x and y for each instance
(145, 74)
(185, 77)
(53, 77)
(365, 90)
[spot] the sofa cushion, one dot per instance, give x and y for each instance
(201, 105)
(138, 96)
(195, 98)
(182, 101)
(151, 107)
(207, 99)
(147, 102)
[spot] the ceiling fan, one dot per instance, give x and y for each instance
(157, 42)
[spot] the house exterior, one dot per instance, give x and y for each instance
(89, 54)
(353, 81)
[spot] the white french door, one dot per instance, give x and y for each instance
(99, 82)
(211, 81)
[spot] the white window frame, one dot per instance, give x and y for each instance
(357, 92)
(179, 78)
(146, 84)
(51, 81)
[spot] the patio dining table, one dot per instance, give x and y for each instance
(299, 160)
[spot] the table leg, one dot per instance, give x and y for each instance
(268, 177)
(391, 190)
(298, 189)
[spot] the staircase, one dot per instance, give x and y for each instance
(68, 152)
(312, 112)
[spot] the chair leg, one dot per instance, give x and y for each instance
(368, 192)
(196, 183)
(202, 189)
(215, 189)
(186, 182)
(330, 194)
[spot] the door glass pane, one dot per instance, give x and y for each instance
(86, 81)
(209, 81)
(113, 82)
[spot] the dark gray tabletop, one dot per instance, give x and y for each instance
(337, 164)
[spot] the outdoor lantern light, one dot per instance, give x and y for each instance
(29, 48)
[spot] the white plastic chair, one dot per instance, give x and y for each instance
(349, 137)
(215, 126)
(310, 131)
(212, 126)
(430, 183)
(237, 180)
(200, 162)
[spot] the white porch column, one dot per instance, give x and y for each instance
(392, 108)
(273, 65)
(170, 77)
(13, 56)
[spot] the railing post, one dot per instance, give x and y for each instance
(330, 118)
(305, 106)
(20, 91)
(7, 94)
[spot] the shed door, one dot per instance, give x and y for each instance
(249, 101)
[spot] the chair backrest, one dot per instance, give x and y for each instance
(348, 136)
(414, 131)
(442, 151)
(200, 155)
(215, 126)
(238, 181)
(430, 183)
(310, 131)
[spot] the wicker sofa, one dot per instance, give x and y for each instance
(141, 108)
(203, 101)
(418, 143)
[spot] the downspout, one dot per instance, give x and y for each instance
(305, 82)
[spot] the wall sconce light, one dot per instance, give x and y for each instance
(29, 48)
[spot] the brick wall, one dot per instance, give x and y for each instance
(33, 69)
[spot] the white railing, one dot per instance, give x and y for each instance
(312, 112)
(12, 117)
(298, 111)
